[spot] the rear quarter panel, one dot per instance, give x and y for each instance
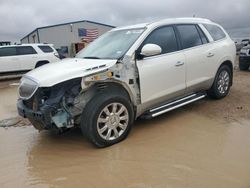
(226, 52)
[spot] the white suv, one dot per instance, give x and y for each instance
(136, 71)
(25, 57)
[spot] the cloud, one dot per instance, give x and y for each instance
(20, 17)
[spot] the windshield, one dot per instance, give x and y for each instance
(111, 45)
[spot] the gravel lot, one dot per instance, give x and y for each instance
(234, 107)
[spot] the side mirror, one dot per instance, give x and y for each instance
(150, 50)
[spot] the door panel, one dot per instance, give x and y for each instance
(162, 77)
(199, 56)
(28, 57)
(199, 63)
(27, 62)
(9, 61)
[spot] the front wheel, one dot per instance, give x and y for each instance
(107, 119)
(222, 83)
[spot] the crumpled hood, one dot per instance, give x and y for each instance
(67, 69)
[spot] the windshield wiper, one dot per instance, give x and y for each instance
(91, 57)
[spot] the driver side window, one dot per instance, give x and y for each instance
(165, 38)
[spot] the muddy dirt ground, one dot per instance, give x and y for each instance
(205, 144)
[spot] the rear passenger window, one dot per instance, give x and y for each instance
(46, 49)
(25, 50)
(202, 35)
(215, 31)
(8, 51)
(165, 38)
(189, 36)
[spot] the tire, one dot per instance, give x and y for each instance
(222, 83)
(243, 66)
(98, 122)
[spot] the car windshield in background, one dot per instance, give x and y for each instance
(112, 45)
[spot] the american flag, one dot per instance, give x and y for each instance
(88, 35)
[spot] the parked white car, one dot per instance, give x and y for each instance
(26, 57)
(136, 71)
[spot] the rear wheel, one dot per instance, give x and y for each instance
(107, 119)
(222, 83)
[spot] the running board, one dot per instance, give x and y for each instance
(173, 105)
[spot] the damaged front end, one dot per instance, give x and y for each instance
(57, 107)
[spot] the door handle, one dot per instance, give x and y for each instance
(179, 63)
(210, 54)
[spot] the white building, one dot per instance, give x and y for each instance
(68, 38)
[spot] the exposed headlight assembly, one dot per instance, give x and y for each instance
(86, 81)
(27, 88)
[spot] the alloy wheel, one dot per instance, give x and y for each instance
(223, 82)
(112, 121)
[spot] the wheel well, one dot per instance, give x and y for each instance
(40, 63)
(116, 88)
(112, 87)
(230, 65)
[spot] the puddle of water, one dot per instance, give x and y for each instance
(8, 99)
(179, 149)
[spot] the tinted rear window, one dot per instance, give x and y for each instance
(190, 36)
(215, 31)
(25, 50)
(8, 51)
(46, 49)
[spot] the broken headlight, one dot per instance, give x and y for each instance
(86, 81)
(27, 88)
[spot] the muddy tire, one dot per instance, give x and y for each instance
(243, 66)
(222, 83)
(107, 118)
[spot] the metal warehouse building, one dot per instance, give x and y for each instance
(68, 38)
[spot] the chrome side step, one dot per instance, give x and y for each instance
(173, 105)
